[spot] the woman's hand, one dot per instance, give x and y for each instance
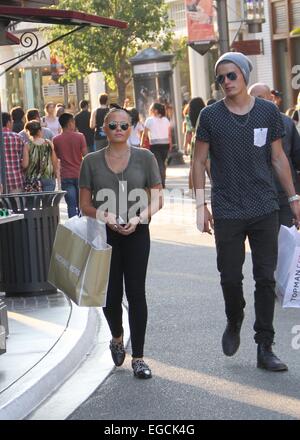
(130, 227)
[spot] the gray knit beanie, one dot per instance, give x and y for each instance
(240, 60)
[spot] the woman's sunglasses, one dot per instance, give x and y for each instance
(123, 125)
(232, 76)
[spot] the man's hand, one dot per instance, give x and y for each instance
(205, 221)
(295, 207)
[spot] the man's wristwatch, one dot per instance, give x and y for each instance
(294, 198)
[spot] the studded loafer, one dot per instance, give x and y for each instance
(117, 352)
(141, 369)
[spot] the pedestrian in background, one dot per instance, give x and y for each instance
(291, 147)
(243, 136)
(158, 130)
(277, 98)
(14, 152)
(137, 128)
(17, 114)
(187, 130)
(82, 122)
(34, 114)
(97, 120)
(70, 147)
(123, 169)
(195, 107)
(50, 120)
(42, 160)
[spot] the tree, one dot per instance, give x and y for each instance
(109, 50)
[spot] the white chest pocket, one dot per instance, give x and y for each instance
(260, 136)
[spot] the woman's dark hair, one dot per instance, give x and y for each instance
(210, 101)
(196, 105)
(160, 108)
(135, 117)
(33, 127)
(17, 113)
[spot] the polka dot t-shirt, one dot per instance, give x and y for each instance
(240, 152)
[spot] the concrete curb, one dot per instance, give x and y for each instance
(86, 379)
(43, 379)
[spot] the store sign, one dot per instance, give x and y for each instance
(199, 15)
(53, 90)
(38, 59)
(152, 68)
(248, 47)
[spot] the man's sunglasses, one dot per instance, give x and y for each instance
(232, 76)
(123, 125)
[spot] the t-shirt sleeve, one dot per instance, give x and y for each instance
(153, 174)
(85, 176)
(148, 123)
(203, 132)
(276, 125)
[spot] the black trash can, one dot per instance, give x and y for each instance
(26, 245)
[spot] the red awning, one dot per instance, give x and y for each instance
(8, 39)
(58, 16)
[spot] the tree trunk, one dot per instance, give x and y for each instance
(121, 91)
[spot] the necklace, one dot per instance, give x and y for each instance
(108, 149)
(121, 182)
(235, 119)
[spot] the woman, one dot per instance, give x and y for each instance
(50, 119)
(187, 130)
(195, 107)
(136, 129)
(158, 130)
(107, 178)
(41, 158)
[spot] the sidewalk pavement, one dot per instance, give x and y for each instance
(49, 338)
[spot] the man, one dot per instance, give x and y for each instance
(70, 147)
(243, 136)
(34, 114)
(291, 147)
(96, 122)
(17, 115)
(82, 122)
(14, 151)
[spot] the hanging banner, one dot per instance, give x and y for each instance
(199, 14)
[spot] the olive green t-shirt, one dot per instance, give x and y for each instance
(120, 193)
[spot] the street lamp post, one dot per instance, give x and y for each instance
(223, 26)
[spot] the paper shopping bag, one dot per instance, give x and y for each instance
(287, 274)
(78, 269)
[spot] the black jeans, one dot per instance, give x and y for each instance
(230, 236)
(160, 151)
(129, 262)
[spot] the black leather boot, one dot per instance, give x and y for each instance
(267, 360)
(231, 337)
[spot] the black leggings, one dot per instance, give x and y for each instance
(160, 151)
(129, 262)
